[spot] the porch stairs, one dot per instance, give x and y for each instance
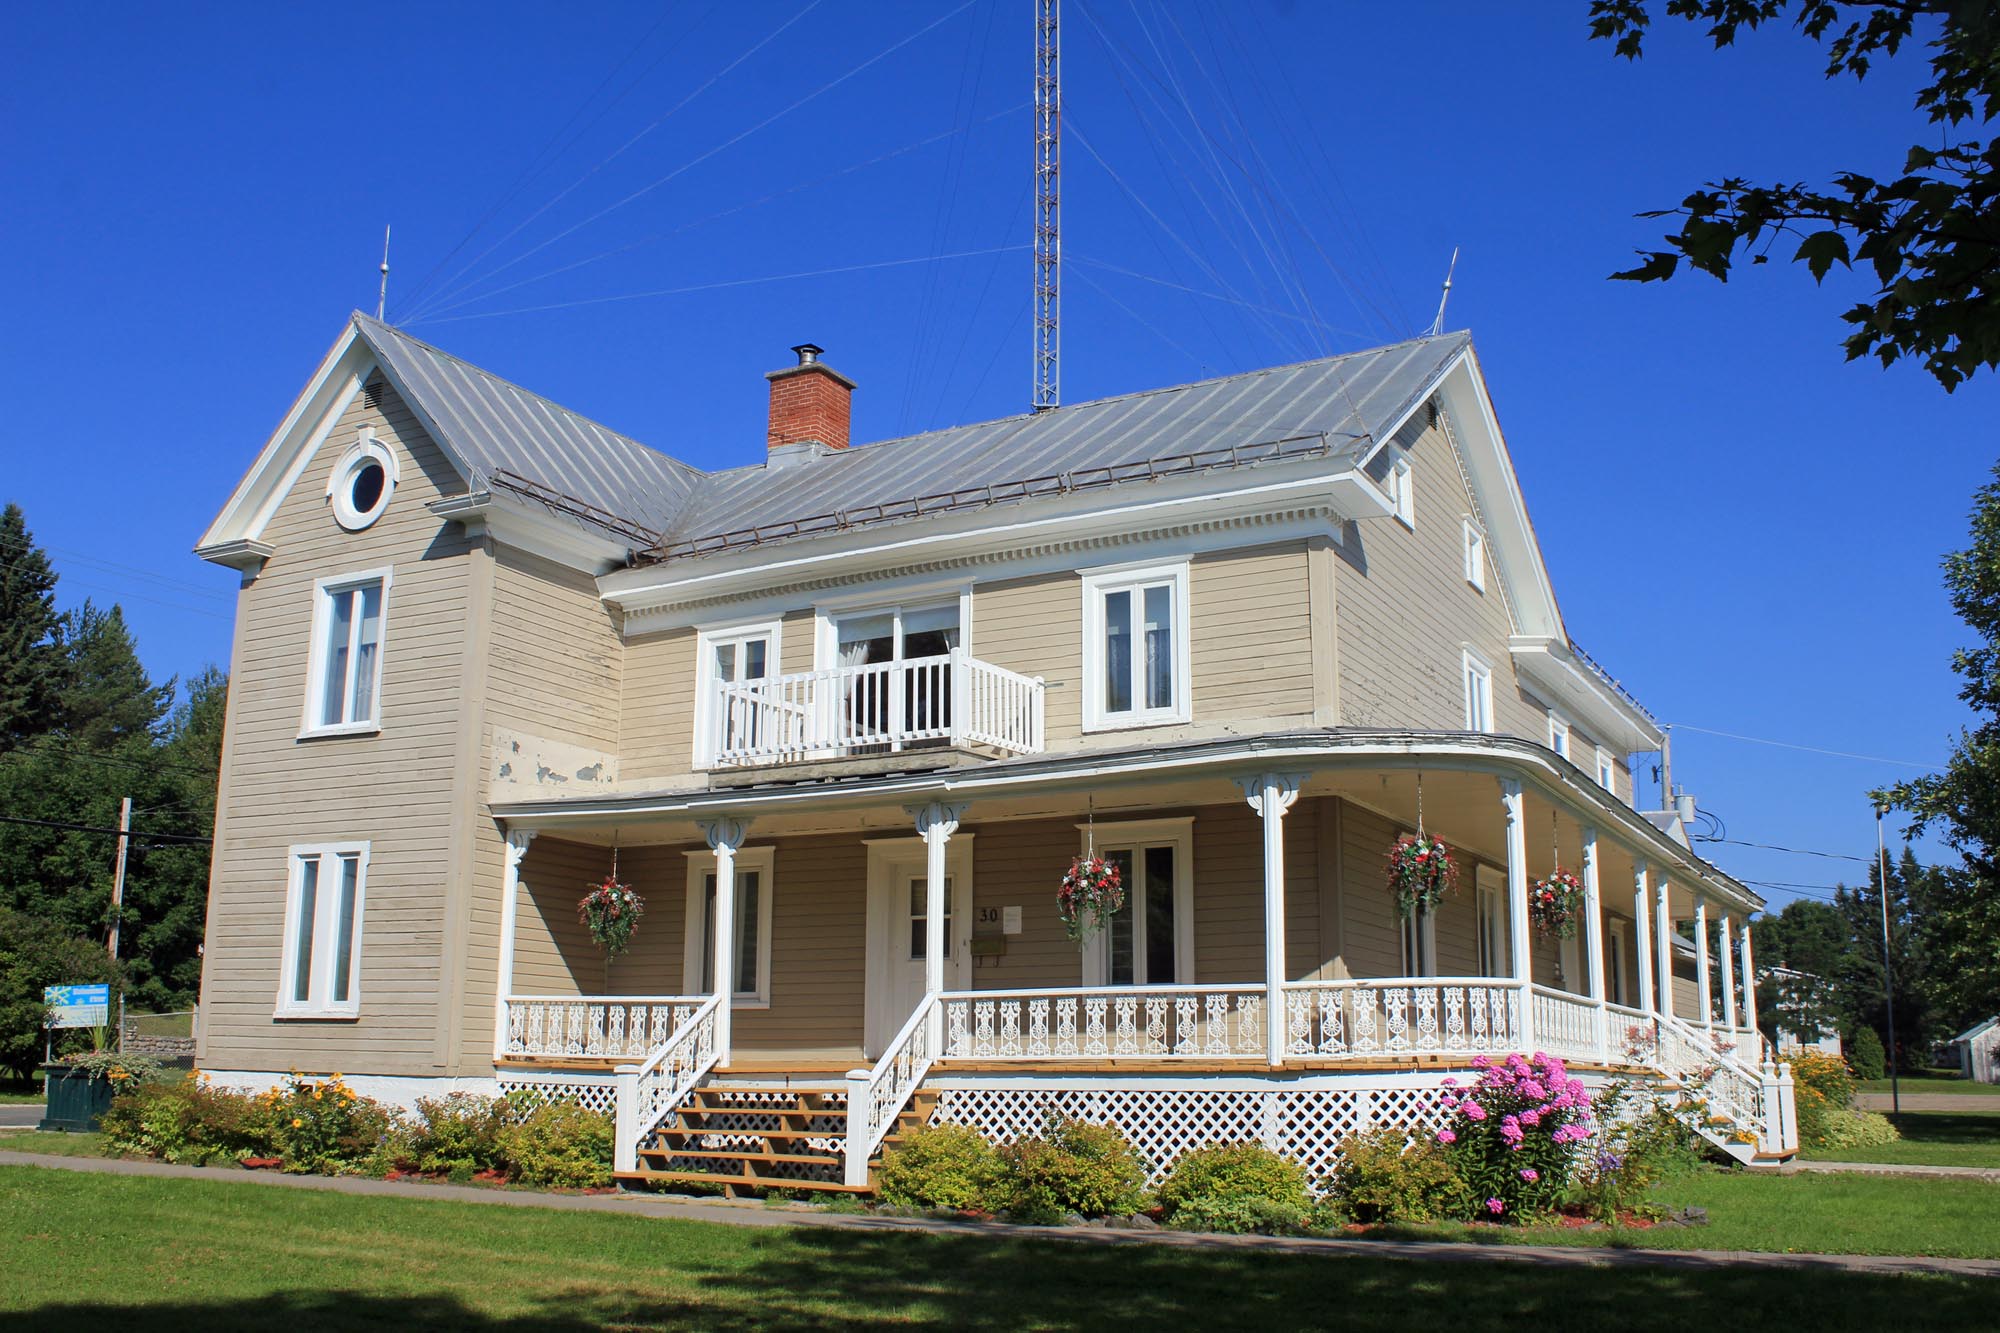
(760, 1132)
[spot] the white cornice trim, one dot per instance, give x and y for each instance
(1070, 523)
(527, 526)
(244, 555)
(1551, 670)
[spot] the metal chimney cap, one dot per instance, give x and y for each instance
(808, 353)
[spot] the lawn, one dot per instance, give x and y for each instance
(216, 1256)
(52, 1144)
(1932, 1138)
(15, 1091)
(1945, 1083)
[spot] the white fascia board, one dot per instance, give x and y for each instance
(292, 445)
(528, 526)
(1501, 754)
(1553, 672)
(1075, 518)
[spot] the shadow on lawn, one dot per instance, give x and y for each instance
(1949, 1126)
(813, 1278)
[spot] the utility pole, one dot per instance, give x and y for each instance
(1048, 204)
(382, 294)
(118, 903)
(1888, 971)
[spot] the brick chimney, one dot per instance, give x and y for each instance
(810, 403)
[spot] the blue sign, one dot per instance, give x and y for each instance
(78, 1006)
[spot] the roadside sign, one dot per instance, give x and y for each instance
(78, 1006)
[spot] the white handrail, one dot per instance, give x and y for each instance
(952, 697)
(649, 1092)
(875, 1097)
(592, 1026)
(1751, 1100)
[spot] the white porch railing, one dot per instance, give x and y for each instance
(649, 1092)
(1402, 1016)
(953, 697)
(1102, 1023)
(619, 1027)
(875, 1097)
(1566, 1024)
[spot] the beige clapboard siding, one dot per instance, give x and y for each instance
(555, 661)
(657, 707)
(1251, 620)
(1229, 893)
(819, 943)
(392, 790)
(1019, 864)
(1406, 611)
(1035, 626)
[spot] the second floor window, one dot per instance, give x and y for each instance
(1478, 694)
(732, 715)
(1606, 773)
(1135, 646)
(1559, 735)
(344, 693)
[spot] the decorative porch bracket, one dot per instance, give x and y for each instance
(1271, 795)
(510, 894)
(724, 836)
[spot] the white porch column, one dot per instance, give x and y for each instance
(1520, 945)
(1663, 945)
(1593, 937)
(1270, 795)
(1726, 936)
(1642, 945)
(936, 823)
(510, 903)
(1704, 993)
(1749, 981)
(724, 837)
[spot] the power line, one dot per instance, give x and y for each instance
(97, 756)
(1808, 749)
(1795, 851)
(113, 832)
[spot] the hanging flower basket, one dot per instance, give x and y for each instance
(1421, 873)
(1092, 892)
(1555, 904)
(611, 910)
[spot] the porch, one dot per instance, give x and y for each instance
(868, 961)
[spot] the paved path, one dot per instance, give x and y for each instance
(760, 1215)
(16, 1115)
(1930, 1101)
(1895, 1169)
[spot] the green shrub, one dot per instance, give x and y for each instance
(1395, 1175)
(1859, 1129)
(1236, 1187)
(325, 1127)
(560, 1144)
(1637, 1149)
(1865, 1055)
(1821, 1090)
(1074, 1167)
(187, 1121)
(943, 1166)
(459, 1134)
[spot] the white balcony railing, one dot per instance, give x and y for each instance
(617, 1027)
(882, 707)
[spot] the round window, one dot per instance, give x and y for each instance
(362, 484)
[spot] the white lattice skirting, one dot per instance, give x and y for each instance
(592, 1092)
(1303, 1118)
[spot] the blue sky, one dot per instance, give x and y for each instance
(1742, 526)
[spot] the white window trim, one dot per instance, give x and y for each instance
(1113, 578)
(1477, 674)
(338, 483)
(1177, 833)
(1559, 733)
(706, 641)
(1490, 889)
(1475, 554)
(318, 1006)
(1402, 484)
(1427, 923)
(1616, 984)
(700, 865)
(1607, 770)
(316, 664)
(922, 597)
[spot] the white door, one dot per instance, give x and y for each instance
(897, 932)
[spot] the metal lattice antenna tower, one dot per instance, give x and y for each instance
(1048, 204)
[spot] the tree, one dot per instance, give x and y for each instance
(35, 954)
(1930, 233)
(1862, 981)
(1963, 802)
(109, 703)
(1812, 941)
(31, 659)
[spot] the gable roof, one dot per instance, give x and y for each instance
(1347, 405)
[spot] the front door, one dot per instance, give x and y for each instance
(898, 932)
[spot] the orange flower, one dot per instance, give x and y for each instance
(298, 1123)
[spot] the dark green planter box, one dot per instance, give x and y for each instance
(76, 1101)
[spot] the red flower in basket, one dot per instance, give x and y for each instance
(1092, 891)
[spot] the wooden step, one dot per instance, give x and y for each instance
(779, 1135)
(733, 1155)
(732, 1183)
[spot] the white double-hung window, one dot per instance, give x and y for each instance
(1559, 734)
(319, 974)
(1135, 646)
(1478, 693)
(734, 713)
(1607, 775)
(344, 680)
(1475, 555)
(750, 941)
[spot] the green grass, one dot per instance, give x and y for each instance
(16, 1091)
(215, 1256)
(52, 1144)
(1932, 1138)
(1945, 1083)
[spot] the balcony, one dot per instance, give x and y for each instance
(948, 701)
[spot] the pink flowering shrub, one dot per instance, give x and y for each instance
(1517, 1134)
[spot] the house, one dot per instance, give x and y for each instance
(1978, 1051)
(1235, 636)
(1800, 1001)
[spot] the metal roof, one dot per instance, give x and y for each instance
(1348, 401)
(494, 426)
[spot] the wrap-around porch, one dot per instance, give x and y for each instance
(883, 943)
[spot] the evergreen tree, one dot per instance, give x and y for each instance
(1862, 978)
(31, 658)
(1814, 940)
(109, 703)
